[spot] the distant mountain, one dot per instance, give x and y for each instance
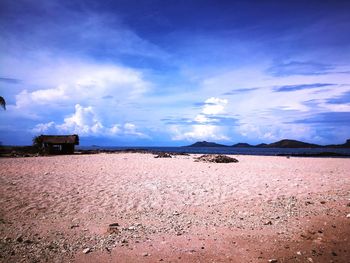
(261, 145)
(291, 144)
(286, 143)
(242, 145)
(206, 144)
(344, 145)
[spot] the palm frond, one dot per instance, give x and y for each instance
(2, 102)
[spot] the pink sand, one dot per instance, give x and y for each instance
(168, 209)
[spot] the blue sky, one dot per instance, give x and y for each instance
(169, 73)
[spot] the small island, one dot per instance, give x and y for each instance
(285, 143)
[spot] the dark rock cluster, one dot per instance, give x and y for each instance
(216, 158)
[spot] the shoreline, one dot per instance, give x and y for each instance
(29, 151)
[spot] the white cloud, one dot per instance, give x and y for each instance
(85, 122)
(201, 118)
(43, 127)
(279, 131)
(198, 132)
(130, 129)
(214, 106)
(265, 114)
(49, 95)
(205, 128)
(77, 82)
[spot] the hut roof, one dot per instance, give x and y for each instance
(60, 139)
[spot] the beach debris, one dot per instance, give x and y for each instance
(87, 250)
(19, 239)
(216, 158)
(176, 213)
(28, 241)
(74, 225)
(113, 228)
(163, 155)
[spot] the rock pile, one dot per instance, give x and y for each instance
(216, 158)
(163, 155)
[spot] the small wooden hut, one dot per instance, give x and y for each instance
(58, 144)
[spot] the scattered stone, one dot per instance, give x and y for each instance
(86, 250)
(113, 228)
(273, 260)
(299, 253)
(268, 223)
(310, 259)
(323, 202)
(216, 158)
(348, 215)
(145, 254)
(334, 254)
(176, 213)
(28, 241)
(163, 155)
(74, 225)
(19, 238)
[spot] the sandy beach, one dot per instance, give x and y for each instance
(58, 209)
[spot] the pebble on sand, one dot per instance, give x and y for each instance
(86, 250)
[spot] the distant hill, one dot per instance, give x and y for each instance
(291, 144)
(344, 145)
(206, 144)
(261, 145)
(286, 143)
(242, 145)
